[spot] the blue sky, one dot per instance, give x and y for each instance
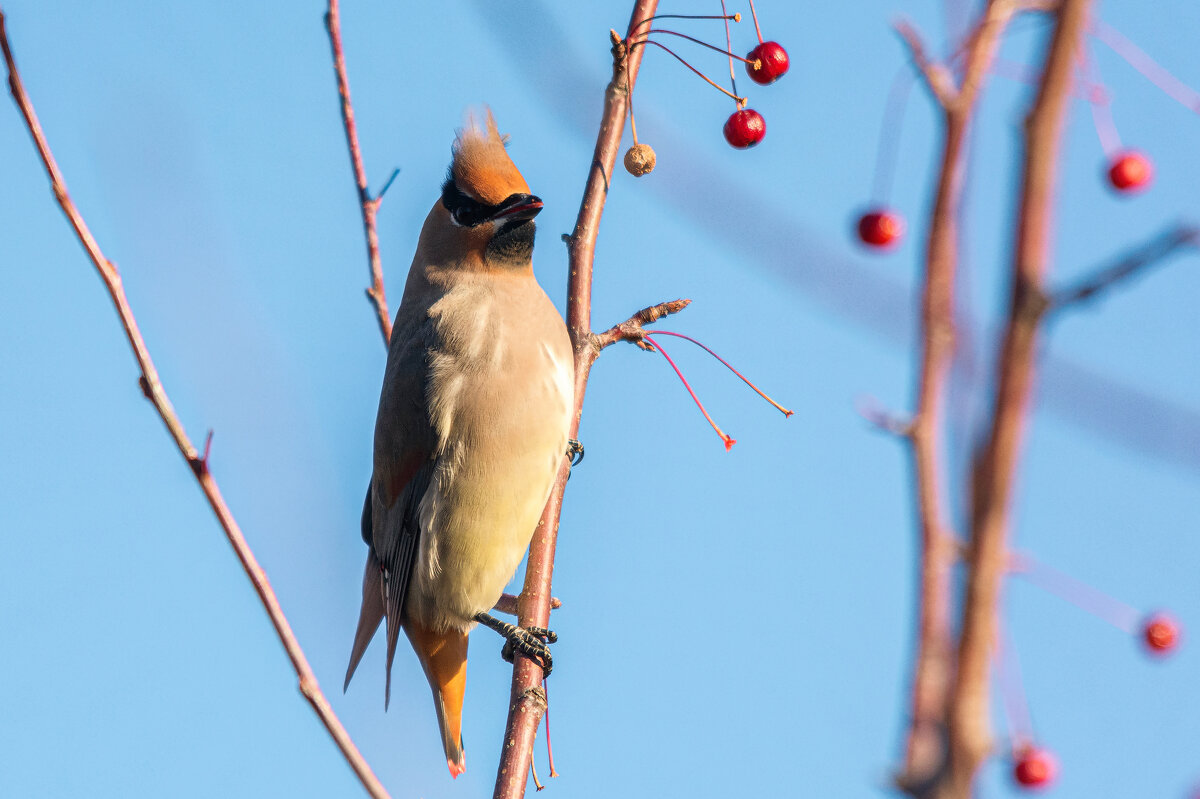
(733, 623)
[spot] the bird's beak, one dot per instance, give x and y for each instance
(518, 207)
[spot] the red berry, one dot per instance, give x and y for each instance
(880, 228)
(772, 63)
(1130, 171)
(1161, 634)
(1034, 768)
(745, 128)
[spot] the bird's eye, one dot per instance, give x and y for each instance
(465, 211)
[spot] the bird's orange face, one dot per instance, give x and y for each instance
(486, 203)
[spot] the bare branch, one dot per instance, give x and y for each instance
(632, 329)
(995, 462)
(933, 667)
(152, 387)
(1152, 253)
(370, 206)
(937, 77)
(508, 604)
(527, 700)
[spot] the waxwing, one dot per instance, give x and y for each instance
(471, 431)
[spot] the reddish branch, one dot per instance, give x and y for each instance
(368, 204)
(932, 661)
(527, 700)
(152, 388)
(995, 462)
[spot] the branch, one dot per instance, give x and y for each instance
(152, 388)
(937, 77)
(995, 463)
(1149, 255)
(933, 667)
(370, 206)
(527, 699)
(632, 329)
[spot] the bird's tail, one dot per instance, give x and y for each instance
(443, 655)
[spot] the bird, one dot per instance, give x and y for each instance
(473, 423)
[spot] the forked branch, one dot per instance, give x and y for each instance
(369, 205)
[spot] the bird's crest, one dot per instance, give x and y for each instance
(482, 168)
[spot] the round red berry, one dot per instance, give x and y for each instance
(1130, 171)
(767, 63)
(1034, 768)
(1161, 634)
(745, 128)
(880, 228)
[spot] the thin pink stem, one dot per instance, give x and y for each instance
(889, 135)
(729, 49)
(549, 746)
(754, 14)
(729, 442)
(1012, 689)
(727, 365)
(734, 17)
(1137, 58)
(1098, 97)
(705, 78)
(729, 53)
(1078, 593)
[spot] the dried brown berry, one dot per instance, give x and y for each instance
(639, 160)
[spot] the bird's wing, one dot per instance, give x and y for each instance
(404, 441)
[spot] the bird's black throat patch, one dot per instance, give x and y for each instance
(513, 242)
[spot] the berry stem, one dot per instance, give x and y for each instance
(729, 49)
(632, 121)
(739, 100)
(729, 442)
(889, 136)
(648, 20)
(1012, 689)
(1154, 72)
(727, 365)
(754, 14)
(537, 784)
(549, 747)
(729, 53)
(1078, 593)
(1098, 98)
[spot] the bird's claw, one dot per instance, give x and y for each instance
(532, 643)
(575, 452)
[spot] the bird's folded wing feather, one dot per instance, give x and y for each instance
(404, 442)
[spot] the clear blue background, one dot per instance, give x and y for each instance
(733, 624)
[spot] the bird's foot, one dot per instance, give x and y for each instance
(575, 451)
(532, 642)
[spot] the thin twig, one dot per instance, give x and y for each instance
(632, 328)
(937, 76)
(995, 463)
(370, 206)
(1152, 253)
(153, 389)
(527, 700)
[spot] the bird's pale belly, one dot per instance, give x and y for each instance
(486, 498)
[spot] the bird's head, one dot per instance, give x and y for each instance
(485, 214)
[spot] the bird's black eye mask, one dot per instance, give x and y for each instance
(464, 210)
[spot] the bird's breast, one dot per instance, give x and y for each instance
(499, 399)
